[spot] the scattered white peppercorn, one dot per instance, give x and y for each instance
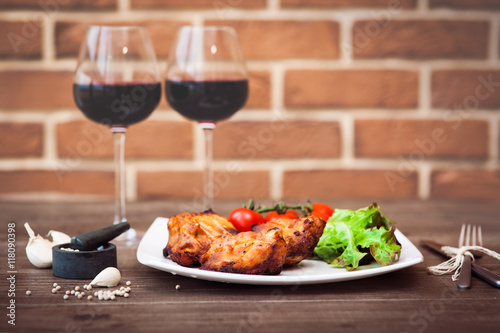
(126, 295)
(72, 292)
(65, 297)
(128, 283)
(58, 288)
(77, 288)
(177, 287)
(54, 290)
(67, 292)
(90, 297)
(79, 296)
(54, 285)
(28, 292)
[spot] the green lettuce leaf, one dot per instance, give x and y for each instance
(350, 235)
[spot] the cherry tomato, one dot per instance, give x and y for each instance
(243, 218)
(274, 215)
(322, 210)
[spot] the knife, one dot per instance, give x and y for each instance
(481, 272)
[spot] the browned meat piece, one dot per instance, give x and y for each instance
(301, 235)
(247, 253)
(190, 236)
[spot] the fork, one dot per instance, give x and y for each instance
(467, 239)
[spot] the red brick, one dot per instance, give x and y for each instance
(280, 139)
(188, 4)
(466, 89)
(289, 39)
(54, 6)
(231, 184)
(36, 89)
(259, 95)
(69, 35)
(21, 139)
(150, 139)
(351, 88)
(390, 4)
(421, 139)
(465, 4)
(420, 39)
(100, 183)
(467, 184)
(340, 184)
(20, 40)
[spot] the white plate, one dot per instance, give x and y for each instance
(150, 253)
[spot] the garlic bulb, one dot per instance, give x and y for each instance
(59, 237)
(108, 277)
(39, 249)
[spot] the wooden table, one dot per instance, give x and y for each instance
(409, 300)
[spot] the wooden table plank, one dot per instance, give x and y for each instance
(409, 300)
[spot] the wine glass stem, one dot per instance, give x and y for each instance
(119, 155)
(208, 172)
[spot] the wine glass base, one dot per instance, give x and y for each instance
(128, 236)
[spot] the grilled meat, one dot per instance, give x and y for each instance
(301, 235)
(191, 234)
(247, 253)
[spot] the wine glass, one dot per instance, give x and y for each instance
(206, 81)
(117, 83)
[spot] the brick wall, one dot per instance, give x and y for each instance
(371, 99)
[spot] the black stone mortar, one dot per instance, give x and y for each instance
(87, 254)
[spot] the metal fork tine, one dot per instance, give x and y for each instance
(464, 279)
(474, 235)
(461, 239)
(467, 235)
(479, 236)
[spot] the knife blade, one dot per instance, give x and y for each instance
(479, 271)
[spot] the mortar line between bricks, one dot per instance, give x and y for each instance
(255, 165)
(424, 87)
(48, 42)
(290, 64)
(276, 182)
(494, 42)
(347, 139)
(494, 142)
(131, 181)
(273, 5)
(255, 14)
(424, 181)
(123, 5)
(49, 140)
(422, 5)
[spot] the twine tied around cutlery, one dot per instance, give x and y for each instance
(454, 264)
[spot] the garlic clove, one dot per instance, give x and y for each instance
(108, 277)
(59, 237)
(39, 249)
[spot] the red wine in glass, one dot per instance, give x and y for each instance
(118, 104)
(206, 81)
(117, 83)
(207, 101)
